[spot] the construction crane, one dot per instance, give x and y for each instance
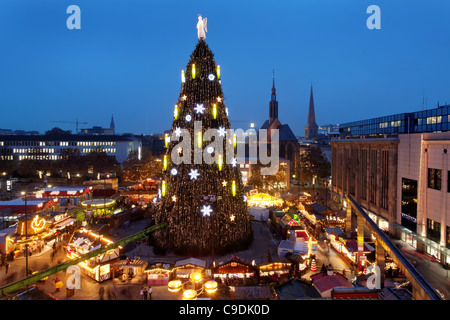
(13, 286)
(76, 123)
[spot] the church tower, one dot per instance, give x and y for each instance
(311, 128)
(112, 126)
(273, 104)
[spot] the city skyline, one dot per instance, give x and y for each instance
(126, 61)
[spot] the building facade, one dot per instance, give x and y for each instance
(397, 168)
(51, 147)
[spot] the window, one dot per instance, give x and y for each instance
(434, 178)
(385, 179)
(409, 204)
(448, 237)
(433, 230)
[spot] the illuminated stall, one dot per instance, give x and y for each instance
(273, 271)
(183, 268)
(33, 232)
(158, 273)
(98, 207)
(66, 195)
(98, 267)
(129, 271)
(264, 200)
(235, 268)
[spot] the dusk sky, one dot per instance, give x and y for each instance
(127, 58)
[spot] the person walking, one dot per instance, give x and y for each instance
(145, 293)
(141, 293)
(149, 293)
(7, 267)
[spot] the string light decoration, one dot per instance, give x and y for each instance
(189, 232)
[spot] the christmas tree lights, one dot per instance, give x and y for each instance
(203, 216)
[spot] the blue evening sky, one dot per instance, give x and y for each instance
(127, 57)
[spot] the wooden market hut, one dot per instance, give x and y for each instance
(129, 271)
(183, 268)
(274, 271)
(235, 268)
(158, 273)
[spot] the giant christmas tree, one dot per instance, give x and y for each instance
(203, 202)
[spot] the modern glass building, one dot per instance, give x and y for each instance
(431, 120)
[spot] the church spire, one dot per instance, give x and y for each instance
(112, 126)
(311, 129)
(273, 104)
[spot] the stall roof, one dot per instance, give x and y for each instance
(353, 247)
(132, 263)
(329, 282)
(193, 261)
(335, 231)
(253, 293)
(317, 207)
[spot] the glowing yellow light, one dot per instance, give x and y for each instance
(183, 78)
(195, 276)
(190, 295)
(220, 162)
(193, 71)
(174, 285)
(210, 286)
(233, 188)
(234, 140)
(199, 139)
(232, 217)
(37, 224)
(218, 71)
(175, 112)
(214, 111)
(165, 162)
(163, 188)
(167, 140)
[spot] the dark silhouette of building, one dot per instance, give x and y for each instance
(311, 128)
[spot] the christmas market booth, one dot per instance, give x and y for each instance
(85, 241)
(235, 270)
(66, 195)
(33, 231)
(274, 271)
(129, 271)
(158, 273)
(264, 200)
(290, 221)
(98, 207)
(183, 268)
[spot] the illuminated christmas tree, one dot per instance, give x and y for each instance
(203, 202)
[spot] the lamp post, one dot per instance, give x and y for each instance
(26, 234)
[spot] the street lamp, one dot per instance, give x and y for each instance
(26, 234)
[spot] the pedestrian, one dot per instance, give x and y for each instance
(101, 292)
(145, 293)
(7, 267)
(141, 293)
(150, 293)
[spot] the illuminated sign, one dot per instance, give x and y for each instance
(38, 224)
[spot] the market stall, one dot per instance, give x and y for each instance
(264, 200)
(183, 268)
(98, 207)
(66, 195)
(235, 269)
(98, 267)
(274, 271)
(158, 273)
(129, 271)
